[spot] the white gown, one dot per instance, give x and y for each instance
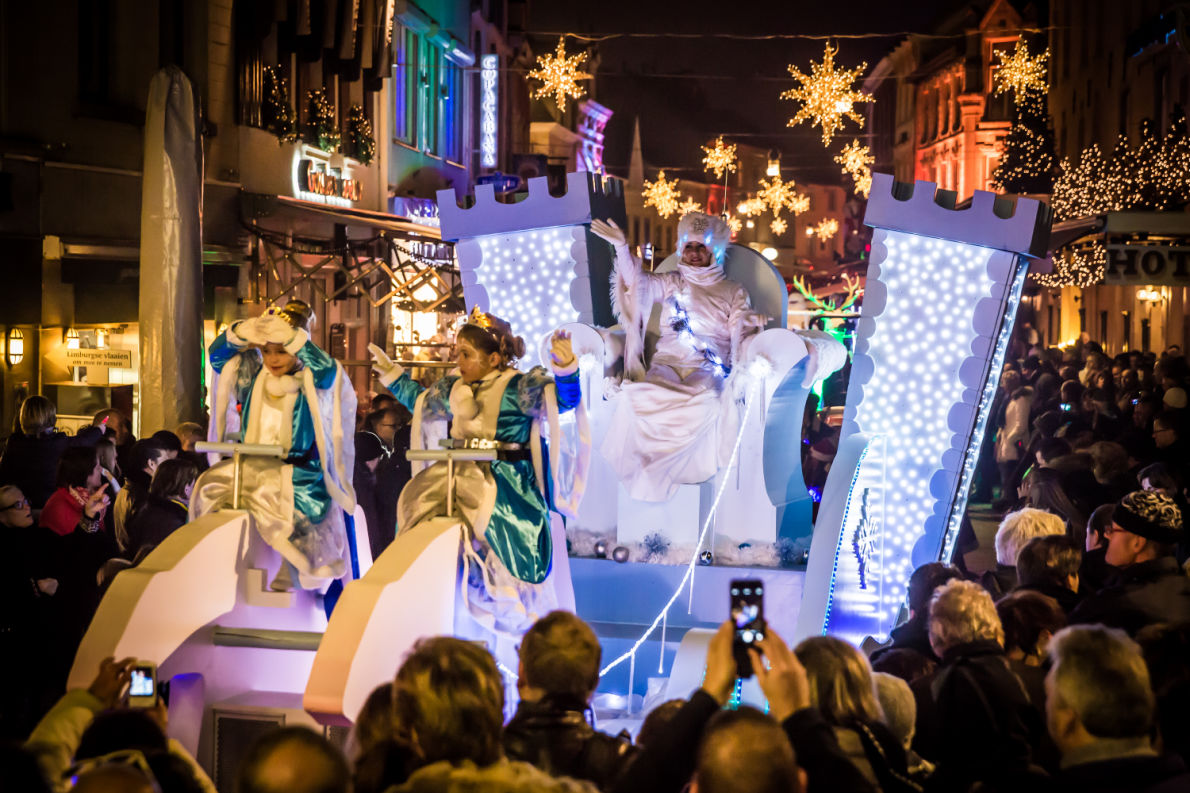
(675, 423)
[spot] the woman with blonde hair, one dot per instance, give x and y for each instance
(843, 690)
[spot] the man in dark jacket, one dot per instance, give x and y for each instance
(1100, 711)
(559, 670)
(1148, 586)
(914, 634)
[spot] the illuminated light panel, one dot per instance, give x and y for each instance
(527, 276)
(489, 72)
(919, 398)
(307, 152)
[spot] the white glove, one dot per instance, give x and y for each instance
(271, 328)
(242, 333)
(609, 231)
(387, 369)
(47, 586)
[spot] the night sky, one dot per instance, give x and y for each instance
(686, 91)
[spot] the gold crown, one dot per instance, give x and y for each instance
(480, 319)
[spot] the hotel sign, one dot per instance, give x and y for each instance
(1159, 265)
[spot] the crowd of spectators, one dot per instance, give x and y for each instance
(1064, 667)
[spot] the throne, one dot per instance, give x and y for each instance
(765, 498)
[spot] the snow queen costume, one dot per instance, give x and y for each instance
(675, 423)
(504, 504)
(297, 503)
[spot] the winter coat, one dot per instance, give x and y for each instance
(1015, 431)
(31, 463)
(153, 522)
(1137, 774)
(554, 735)
(502, 776)
(1146, 593)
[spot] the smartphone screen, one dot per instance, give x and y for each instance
(747, 614)
(142, 686)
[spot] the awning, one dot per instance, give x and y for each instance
(258, 206)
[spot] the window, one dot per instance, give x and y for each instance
(427, 104)
(405, 85)
(451, 120)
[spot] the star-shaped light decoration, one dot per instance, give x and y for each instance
(857, 161)
(778, 226)
(662, 195)
(720, 158)
(1021, 73)
(799, 204)
(688, 206)
(827, 95)
(734, 223)
(559, 74)
(823, 229)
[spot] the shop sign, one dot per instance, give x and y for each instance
(106, 357)
(319, 179)
(1161, 265)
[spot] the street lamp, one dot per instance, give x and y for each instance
(72, 339)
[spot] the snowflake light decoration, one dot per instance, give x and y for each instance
(688, 206)
(719, 158)
(799, 204)
(778, 226)
(734, 223)
(751, 207)
(559, 74)
(1021, 73)
(823, 229)
(827, 95)
(662, 195)
(857, 161)
(777, 195)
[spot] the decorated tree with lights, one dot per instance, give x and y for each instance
(1027, 159)
(1027, 154)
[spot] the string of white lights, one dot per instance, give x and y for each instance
(689, 575)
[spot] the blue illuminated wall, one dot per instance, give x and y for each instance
(942, 292)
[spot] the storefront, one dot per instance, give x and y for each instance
(1120, 279)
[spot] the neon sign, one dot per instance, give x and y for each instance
(488, 74)
(315, 179)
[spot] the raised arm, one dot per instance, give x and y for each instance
(394, 377)
(234, 340)
(628, 267)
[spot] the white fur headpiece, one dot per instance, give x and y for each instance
(711, 231)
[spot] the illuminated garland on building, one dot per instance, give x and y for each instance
(827, 95)
(1021, 73)
(277, 113)
(857, 163)
(359, 142)
(559, 74)
(719, 158)
(1081, 268)
(320, 129)
(1154, 175)
(662, 195)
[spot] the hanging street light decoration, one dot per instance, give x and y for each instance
(662, 195)
(823, 229)
(734, 223)
(751, 207)
(720, 158)
(857, 162)
(827, 95)
(688, 206)
(1021, 72)
(779, 196)
(559, 74)
(778, 226)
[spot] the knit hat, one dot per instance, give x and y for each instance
(1175, 398)
(1149, 514)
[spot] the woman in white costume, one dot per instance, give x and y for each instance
(285, 391)
(675, 423)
